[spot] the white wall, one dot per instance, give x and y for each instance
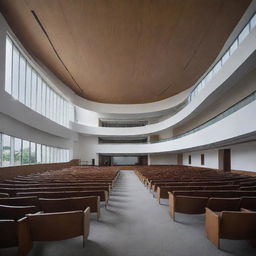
(20, 130)
(234, 93)
(86, 117)
(229, 128)
(243, 157)
(162, 159)
(165, 134)
(210, 158)
(84, 149)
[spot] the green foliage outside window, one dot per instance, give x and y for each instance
(6, 154)
(25, 156)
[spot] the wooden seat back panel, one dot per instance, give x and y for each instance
(248, 203)
(4, 195)
(223, 204)
(238, 225)
(42, 194)
(8, 229)
(59, 226)
(15, 212)
(22, 201)
(69, 204)
(190, 205)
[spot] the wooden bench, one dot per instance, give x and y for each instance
(199, 183)
(162, 192)
(194, 202)
(223, 204)
(248, 203)
(233, 225)
(22, 201)
(52, 184)
(14, 191)
(71, 204)
(4, 195)
(16, 212)
(42, 194)
(9, 228)
(52, 227)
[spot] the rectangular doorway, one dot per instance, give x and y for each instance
(225, 159)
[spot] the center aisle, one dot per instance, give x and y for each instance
(134, 224)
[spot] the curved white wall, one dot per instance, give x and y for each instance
(231, 127)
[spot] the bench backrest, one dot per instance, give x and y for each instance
(22, 201)
(248, 188)
(55, 226)
(238, 225)
(69, 204)
(248, 203)
(216, 193)
(102, 194)
(175, 188)
(220, 204)
(4, 195)
(8, 233)
(15, 212)
(190, 204)
(14, 191)
(38, 185)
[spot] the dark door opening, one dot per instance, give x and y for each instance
(226, 159)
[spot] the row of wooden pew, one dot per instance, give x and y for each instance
(53, 205)
(226, 198)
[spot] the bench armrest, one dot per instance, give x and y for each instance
(24, 237)
(245, 210)
(212, 226)
(106, 198)
(172, 205)
(86, 224)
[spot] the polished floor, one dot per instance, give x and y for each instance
(134, 224)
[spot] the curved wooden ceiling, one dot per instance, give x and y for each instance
(125, 51)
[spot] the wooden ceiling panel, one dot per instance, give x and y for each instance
(129, 51)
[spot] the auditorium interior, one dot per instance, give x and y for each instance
(127, 127)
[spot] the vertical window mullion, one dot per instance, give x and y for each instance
(8, 65)
(1, 154)
(21, 157)
(29, 152)
(12, 150)
(18, 79)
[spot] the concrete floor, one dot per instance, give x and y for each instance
(134, 224)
